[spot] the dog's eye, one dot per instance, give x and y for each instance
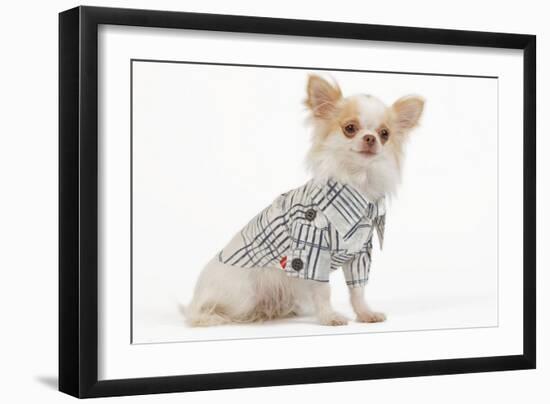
(350, 129)
(384, 134)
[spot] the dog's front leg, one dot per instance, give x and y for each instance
(323, 308)
(362, 309)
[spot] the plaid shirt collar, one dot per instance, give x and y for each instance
(346, 207)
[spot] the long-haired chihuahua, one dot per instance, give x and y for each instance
(279, 264)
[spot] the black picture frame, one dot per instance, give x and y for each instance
(78, 200)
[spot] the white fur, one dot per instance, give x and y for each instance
(227, 294)
(231, 294)
(375, 176)
(336, 156)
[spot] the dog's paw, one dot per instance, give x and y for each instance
(371, 317)
(333, 319)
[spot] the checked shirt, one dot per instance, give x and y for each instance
(310, 231)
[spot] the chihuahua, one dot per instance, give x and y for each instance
(279, 264)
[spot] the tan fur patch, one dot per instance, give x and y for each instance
(348, 113)
(322, 97)
(406, 112)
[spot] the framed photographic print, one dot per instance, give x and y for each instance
(250, 201)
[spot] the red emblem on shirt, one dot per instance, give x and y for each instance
(283, 262)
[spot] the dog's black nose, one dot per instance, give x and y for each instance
(369, 139)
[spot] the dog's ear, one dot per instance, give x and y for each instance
(406, 112)
(322, 97)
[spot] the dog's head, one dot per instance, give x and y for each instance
(358, 134)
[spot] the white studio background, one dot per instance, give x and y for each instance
(213, 145)
(28, 218)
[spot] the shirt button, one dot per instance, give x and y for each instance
(297, 264)
(310, 214)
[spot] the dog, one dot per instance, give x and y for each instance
(278, 265)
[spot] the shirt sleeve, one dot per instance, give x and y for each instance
(356, 270)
